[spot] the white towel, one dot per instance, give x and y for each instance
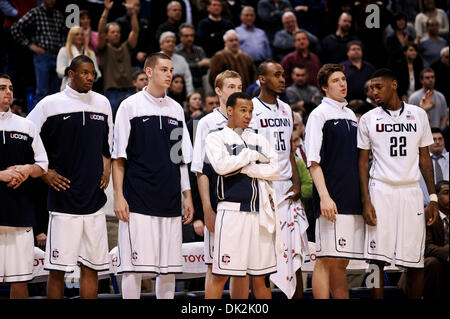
(268, 212)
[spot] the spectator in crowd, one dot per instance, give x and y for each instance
(408, 71)
(283, 41)
(398, 37)
(180, 66)
(177, 89)
(253, 40)
(357, 71)
(428, 10)
(233, 9)
(301, 56)
(193, 106)
(173, 21)
(90, 36)
(146, 40)
(42, 30)
(436, 249)
(157, 7)
(75, 45)
(442, 73)
(270, 12)
(310, 14)
(211, 29)
(115, 57)
(300, 93)
(232, 58)
(193, 54)
(430, 46)
(334, 46)
(16, 59)
(437, 109)
(367, 104)
(440, 158)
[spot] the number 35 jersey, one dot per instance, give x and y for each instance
(275, 123)
(394, 142)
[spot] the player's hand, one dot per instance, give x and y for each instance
(199, 227)
(104, 182)
(11, 177)
(56, 181)
(24, 171)
(369, 214)
(41, 240)
(188, 210)
(431, 213)
(121, 208)
(210, 219)
(297, 193)
(328, 208)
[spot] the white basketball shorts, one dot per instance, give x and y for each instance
(16, 254)
(77, 239)
(343, 238)
(242, 246)
(399, 236)
(150, 244)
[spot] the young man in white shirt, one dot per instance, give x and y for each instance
(244, 244)
(332, 158)
(398, 135)
(22, 155)
(150, 155)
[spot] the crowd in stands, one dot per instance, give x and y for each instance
(206, 37)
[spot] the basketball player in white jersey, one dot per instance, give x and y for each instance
(226, 83)
(273, 118)
(398, 135)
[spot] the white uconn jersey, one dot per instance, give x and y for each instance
(275, 123)
(395, 143)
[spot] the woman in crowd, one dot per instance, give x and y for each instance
(193, 106)
(408, 71)
(177, 89)
(75, 46)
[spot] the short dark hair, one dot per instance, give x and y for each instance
(5, 76)
(324, 73)
(436, 130)
(384, 73)
(439, 185)
(262, 68)
(153, 58)
(185, 25)
(410, 44)
(77, 61)
(426, 70)
(354, 42)
(84, 13)
(137, 73)
(232, 99)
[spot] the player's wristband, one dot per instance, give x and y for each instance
(433, 198)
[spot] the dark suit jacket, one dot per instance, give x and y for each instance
(434, 243)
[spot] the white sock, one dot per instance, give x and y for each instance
(165, 286)
(131, 286)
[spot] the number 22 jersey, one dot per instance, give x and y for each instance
(395, 142)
